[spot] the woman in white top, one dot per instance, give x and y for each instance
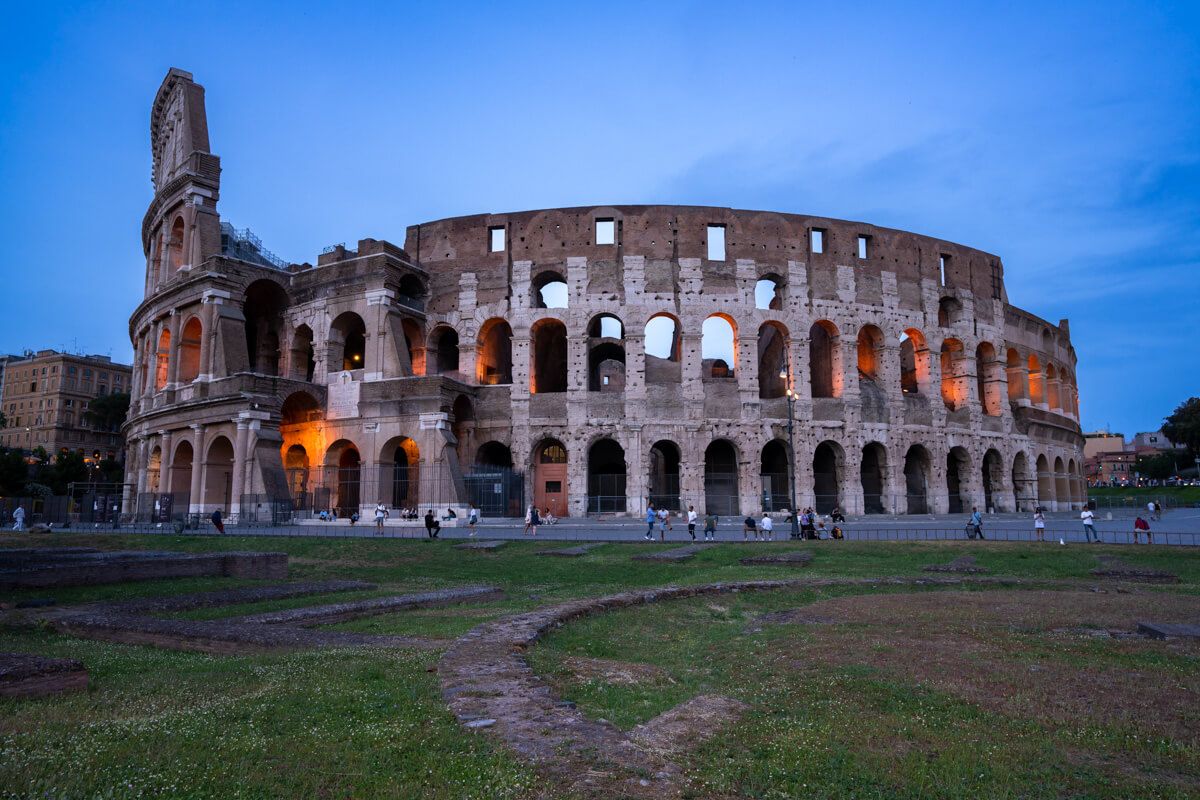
(1039, 524)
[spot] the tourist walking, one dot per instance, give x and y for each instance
(1150, 509)
(528, 519)
(710, 527)
(216, 521)
(1089, 525)
(432, 525)
(975, 525)
(472, 519)
(768, 527)
(1039, 524)
(650, 518)
(664, 522)
(381, 513)
(1157, 511)
(19, 518)
(691, 517)
(535, 519)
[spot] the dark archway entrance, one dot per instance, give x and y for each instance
(775, 472)
(873, 468)
(721, 478)
(826, 478)
(606, 478)
(664, 475)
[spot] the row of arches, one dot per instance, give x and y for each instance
(917, 484)
(174, 473)
(1041, 385)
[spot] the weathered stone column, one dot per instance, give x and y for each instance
(196, 492)
(238, 482)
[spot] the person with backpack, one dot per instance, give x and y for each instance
(710, 527)
(975, 524)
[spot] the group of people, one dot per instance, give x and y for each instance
(535, 518)
(812, 524)
(662, 518)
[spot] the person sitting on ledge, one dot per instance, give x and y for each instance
(549, 517)
(449, 515)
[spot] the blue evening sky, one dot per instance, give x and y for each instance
(1064, 137)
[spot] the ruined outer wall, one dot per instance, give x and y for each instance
(658, 264)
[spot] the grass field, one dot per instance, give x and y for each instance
(896, 693)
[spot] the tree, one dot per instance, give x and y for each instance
(14, 472)
(1183, 426)
(1160, 465)
(107, 412)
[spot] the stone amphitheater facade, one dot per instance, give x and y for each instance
(591, 360)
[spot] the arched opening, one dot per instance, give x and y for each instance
(1024, 484)
(347, 343)
(1045, 483)
(827, 462)
(414, 345)
(175, 249)
(772, 360)
(1018, 378)
(189, 350)
(162, 360)
(775, 475)
(949, 312)
(550, 290)
(987, 376)
(1037, 383)
(550, 477)
(463, 426)
(411, 292)
(954, 391)
(548, 357)
(871, 477)
(664, 474)
(493, 362)
(181, 475)
(993, 480)
(495, 487)
(303, 359)
(917, 465)
(218, 475)
(295, 467)
(721, 478)
(663, 350)
(444, 344)
(1053, 393)
(343, 456)
(914, 363)
(299, 408)
(264, 307)
(1062, 485)
(870, 350)
(824, 360)
(1077, 491)
(958, 467)
(606, 354)
(718, 346)
(606, 478)
(401, 461)
(768, 292)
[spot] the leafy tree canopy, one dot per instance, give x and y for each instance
(1183, 426)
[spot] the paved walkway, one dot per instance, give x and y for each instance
(1178, 527)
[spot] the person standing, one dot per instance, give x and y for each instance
(650, 518)
(976, 523)
(19, 518)
(381, 513)
(710, 527)
(528, 519)
(535, 519)
(216, 521)
(1089, 525)
(768, 527)
(1150, 509)
(1039, 524)
(472, 519)
(664, 522)
(692, 522)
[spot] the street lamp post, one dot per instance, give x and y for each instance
(791, 399)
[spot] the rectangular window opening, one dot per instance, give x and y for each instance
(606, 231)
(863, 246)
(995, 282)
(943, 264)
(817, 240)
(496, 239)
(716, 242)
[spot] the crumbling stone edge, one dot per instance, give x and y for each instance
(488, 684)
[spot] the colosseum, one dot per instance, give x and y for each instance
(590, 360)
